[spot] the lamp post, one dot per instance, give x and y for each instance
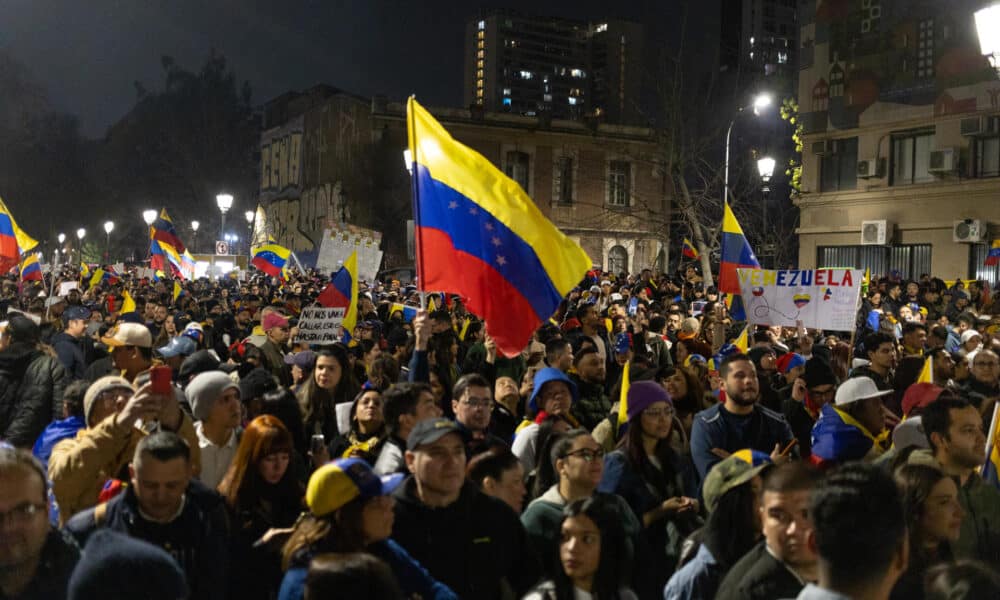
(194, 235)
(250, 216)
(765, 167)
(988, 30)
(760, 102)
(148, 216)
(224, 202)
(108, 228)
(79, 235)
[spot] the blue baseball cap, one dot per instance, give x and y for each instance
(178, 346)
(339, 481)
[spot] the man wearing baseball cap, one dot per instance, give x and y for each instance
(277, 329)
(131, 346)
(852, 427)
(466, 539)
(68, 343)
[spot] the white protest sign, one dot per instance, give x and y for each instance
(822, 299)
(66, 286)
(318, 325)
(338, 244)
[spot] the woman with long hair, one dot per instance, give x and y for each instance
(350, 510)
(594, 556)
(647, 473)
(262, 495)
(167, 332)
(332, 383)
(933, 520)
(367, 433)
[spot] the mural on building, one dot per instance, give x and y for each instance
(860, 58)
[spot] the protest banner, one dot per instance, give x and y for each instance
(318, 325)
(66, 286)
(822, 299)
(338, 244)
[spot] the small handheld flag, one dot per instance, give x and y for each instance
(623, 400)
(688, 249)
(30, 269)
(271, 259)
(993, 258)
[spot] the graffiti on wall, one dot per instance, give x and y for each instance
(298, 223)
(281, 160)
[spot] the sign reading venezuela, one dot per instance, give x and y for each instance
(823, 298)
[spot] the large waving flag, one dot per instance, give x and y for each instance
(345, 288)
(271, 259)
(479, 235)
(30, 269)
(993, 258)
(163, 231)
(13, 241)
(688, 249)
(736, 253)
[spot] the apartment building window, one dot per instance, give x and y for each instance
(563, 174)
(910, 260)
(911, 154)
(619, 182)
(988, 153)
(838, 167)
(518, 168)
(618, 259)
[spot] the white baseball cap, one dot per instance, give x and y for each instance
(857, 388)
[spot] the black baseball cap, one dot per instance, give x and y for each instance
(429, 431)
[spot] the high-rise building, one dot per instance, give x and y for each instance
(759, 39)
(568, 69)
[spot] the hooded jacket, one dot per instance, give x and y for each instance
(70, 352)
(31, 393)
(837, 439)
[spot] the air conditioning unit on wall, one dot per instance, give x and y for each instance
(875, 233)
(868, 168)
(968, 231)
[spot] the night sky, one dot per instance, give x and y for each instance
(88, 54)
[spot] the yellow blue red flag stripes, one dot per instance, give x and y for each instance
(163, 231)
(271, 259)
(736, 253)
(480, 236)
(991, 470)
(623, 401)
(345, 286)
(13, 241)
(688, 249)
(993, 258)
(30, 269)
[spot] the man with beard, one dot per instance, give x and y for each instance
(954, 429)
(739, 422)
(781, 565)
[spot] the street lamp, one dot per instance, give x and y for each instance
(194, 235)
(760, 102)
(988, 29)
(79, 235)
(250, 215)
(108, 228)
(224, 202)
(149, 216)
(765, 167)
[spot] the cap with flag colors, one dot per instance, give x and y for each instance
(736, 253)
(13, 241)
(688, 249)
(993, 257)
(30, 269)
(486, 239)
(271, 259)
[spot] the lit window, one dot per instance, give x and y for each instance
(527, 75)
(479, 93)
(481, 34)
(506, 101)
(482, 25)
(577, 73)
(479, 83)
(601, 27)
(572, 101)
(506, 91)
(480, 54)
(782, 58)
(479, 73)
(479, 64)
(480, 44)
(547, 97)
(751, 40)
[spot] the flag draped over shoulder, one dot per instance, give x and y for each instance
(480, 236)
(13, 241)
(30, 269)
(736, 253)
(271, 259)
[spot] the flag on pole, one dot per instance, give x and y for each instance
(488, 241)
(742, 341)
(163, 231)
(345, 282)
(623, 401)
(271, 259)
(30, 269)
(993, 257)
(688, 249)
(178, 290)
(990, 470)
(736, 253)
(866, 282)
(13, 241)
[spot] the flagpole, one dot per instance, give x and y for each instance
(991, 439)
(414, 191)
(52, 282)
(297, 263)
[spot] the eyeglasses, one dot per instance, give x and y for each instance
(21, 514)
(587, 454)
(478, 402)
(656, 413)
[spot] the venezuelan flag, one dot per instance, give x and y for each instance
(345, 282)
(736, 253)
(30, 269)
(271, 259)
(163, 231)
(688, 249)
(13, 241)
(178, 291)
(623, 401)
(993, 258)
(409, 312)
(480, 236)
(128, 304)
(187, 265)
(742, 341)
(991, 469)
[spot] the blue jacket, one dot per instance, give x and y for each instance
(413, 579)
(717, 428)
(697, 580)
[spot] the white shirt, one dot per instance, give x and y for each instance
(214, 459)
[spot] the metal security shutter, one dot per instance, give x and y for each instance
(977, 255)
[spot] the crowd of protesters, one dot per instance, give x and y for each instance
(414, 461)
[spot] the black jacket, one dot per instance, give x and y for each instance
(471, 545)
(59, 555)
(70, 352)
(759, 576)
(198, 539)
(31, 393)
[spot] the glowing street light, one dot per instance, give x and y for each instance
(224, 202)
(149, 216)
(108, 228)
(988, 29)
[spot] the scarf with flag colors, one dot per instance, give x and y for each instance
(993, 257)
(13, 241)
(271, 259)
(30, 269)
(480, 236)
(688, 249)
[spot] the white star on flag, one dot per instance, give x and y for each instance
(489, 227)
(453, 204)
(501, 260)
(473, 211)
(496, 241)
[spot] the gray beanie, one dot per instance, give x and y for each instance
(205, 389)
(104, 384)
